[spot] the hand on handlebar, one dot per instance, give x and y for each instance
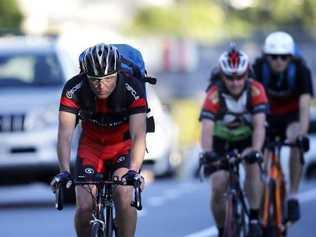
(252, 156)
(133, 178)
(63, 178)
(303, 143)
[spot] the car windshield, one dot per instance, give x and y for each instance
(30, 69)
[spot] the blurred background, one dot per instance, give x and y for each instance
(180, 40)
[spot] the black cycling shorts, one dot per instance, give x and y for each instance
(221, 146)
(84, 170)
(277, 125)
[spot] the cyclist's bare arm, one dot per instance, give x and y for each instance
(304, 106)
(207, 134)
(66, 126)
(137, 124)
(258, 134)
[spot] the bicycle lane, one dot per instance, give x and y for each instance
(306, 197)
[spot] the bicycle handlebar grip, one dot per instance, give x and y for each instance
(59, 197)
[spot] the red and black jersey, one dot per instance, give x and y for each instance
(105, 122)
(284, 89)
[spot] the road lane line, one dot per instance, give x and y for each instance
(212, 231)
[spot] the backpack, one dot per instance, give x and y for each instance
(132, 62)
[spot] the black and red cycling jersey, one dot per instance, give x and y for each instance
(284, 89)
(105, 122)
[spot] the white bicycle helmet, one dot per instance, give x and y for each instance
(279, 43)
(233, 62)
(99, 60)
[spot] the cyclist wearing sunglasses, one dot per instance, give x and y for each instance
(288, 84)
(233, 117)
(112, 107)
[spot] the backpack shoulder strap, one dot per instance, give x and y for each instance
(266, 73)
(221, 100)
(291, 75)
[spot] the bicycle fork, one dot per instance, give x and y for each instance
(273, 200)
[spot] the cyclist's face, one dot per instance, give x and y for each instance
(103, 86)
(235, 85)
(278, 63)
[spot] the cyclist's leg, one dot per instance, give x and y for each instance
(295, 165)
(126, 215)
(218, 183)
(218, 186)
(83, 204)
(295, 168)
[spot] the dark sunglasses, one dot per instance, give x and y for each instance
(283, 57)
(235, 77)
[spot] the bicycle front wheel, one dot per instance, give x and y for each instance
(109, 223)
(231, 228)
(96, 230)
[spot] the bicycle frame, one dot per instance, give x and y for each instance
(274, 194)
(236, 207)
(273, 208)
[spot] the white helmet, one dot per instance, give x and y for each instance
(233, 62)
(279, 43)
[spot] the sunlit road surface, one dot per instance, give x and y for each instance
(171, 209)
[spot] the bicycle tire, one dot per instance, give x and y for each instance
(96, 230)
(242, 224)
(273, 210)
(109, 224)
(231, 225)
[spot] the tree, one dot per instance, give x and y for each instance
(10, 16)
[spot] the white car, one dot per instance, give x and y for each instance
(309, 168)
(310, 157)
(32, 74)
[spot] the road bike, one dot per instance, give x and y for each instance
(237, 211)
(274, 217)
(102, 222)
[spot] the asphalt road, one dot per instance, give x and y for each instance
(171, 209)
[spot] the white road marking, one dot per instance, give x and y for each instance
(212, 231)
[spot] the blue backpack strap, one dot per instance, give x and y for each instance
(291, 73)
(265, 74)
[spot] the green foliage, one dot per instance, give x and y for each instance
(213, 20)
(194, 19)
(10, 16)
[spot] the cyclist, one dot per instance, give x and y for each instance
(112, 107)
(288, 84)
(233, 117)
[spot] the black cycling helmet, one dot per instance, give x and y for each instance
(99, 60)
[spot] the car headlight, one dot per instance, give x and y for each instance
(42, 118)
